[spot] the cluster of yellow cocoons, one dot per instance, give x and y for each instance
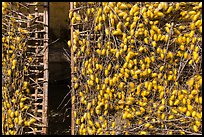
(138, 68)
(15, 88)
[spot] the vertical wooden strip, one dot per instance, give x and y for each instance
(72, 75)
(36, 51)
(45, 62)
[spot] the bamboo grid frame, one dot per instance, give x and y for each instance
(36, 42)
(44, 87)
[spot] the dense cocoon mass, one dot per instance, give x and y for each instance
(138, 65)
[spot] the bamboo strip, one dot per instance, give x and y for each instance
(72, 72)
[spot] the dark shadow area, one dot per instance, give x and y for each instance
(59, 118)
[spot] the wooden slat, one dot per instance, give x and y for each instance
(40, 79)
(39, 95)
(36, 71)
(30, 46)
(45, 62)
(36, 65)
(38, 104)
(72, 72)
(40, 110)
(36, 39)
